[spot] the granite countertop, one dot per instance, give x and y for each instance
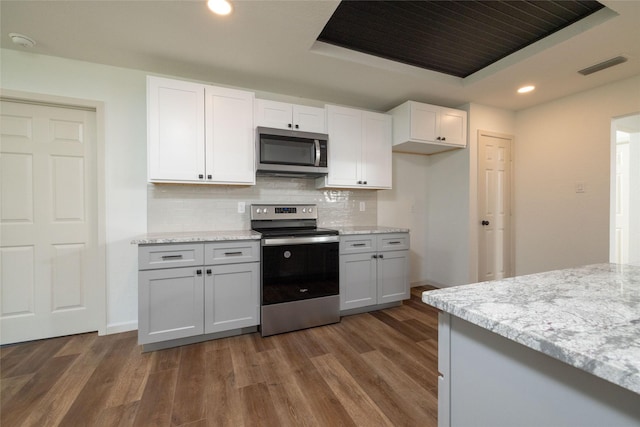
(195, 236)
(214, 236)
(373, 229)
(587, 317)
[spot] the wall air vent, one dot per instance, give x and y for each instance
(601, 66)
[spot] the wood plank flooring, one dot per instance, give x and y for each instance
(372, 369)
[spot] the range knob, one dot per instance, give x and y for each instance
(310, 210)
(304, 210)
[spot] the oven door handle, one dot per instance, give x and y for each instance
(299, 240)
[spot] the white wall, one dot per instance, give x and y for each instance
(559, 144)
(123, 93)
(406, 206)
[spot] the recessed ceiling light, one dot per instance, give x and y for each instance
(220, 7)
(22, 40)
(525, 89)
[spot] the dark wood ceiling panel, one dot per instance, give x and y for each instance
(452, 37)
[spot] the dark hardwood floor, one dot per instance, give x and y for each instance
(371, 369)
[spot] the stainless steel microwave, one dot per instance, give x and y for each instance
(281, 152)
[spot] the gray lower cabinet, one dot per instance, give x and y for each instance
(190, 290)
(374, 269)
(170, 304)
(231, 297)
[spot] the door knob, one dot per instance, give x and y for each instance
(485, 222)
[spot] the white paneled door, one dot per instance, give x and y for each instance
(48, 222)
(494, 206)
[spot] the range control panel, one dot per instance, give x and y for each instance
(267, 212)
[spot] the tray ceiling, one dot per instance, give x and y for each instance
(452, 37)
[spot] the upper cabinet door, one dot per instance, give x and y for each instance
(424, 122)
(175, 129)
(376, 149)
(345, 143)
(230, 147)
(273, 114)
(281, 115)
(309, 119)
(453, 126)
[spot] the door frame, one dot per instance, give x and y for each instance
(98, 107)
(474, 214)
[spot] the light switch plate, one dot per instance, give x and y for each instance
(241, 207)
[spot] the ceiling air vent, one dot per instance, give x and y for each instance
(601, 66)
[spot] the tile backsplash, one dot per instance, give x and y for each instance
(182, 207)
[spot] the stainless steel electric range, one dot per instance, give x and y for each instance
(299, 279)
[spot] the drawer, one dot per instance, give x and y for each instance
(232, 252)
(357, 243)
(151, 257)
(393, 242)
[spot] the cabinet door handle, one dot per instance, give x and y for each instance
(167, 257)
(198, 272)
(444, 138)
(364, 182)
(209, 271)
(209, 176)
(380, 256)
(374, 256)
(233, 253)
(288, 124)
(200, 176)
(359, 182)
(358, 244)
(297, 126)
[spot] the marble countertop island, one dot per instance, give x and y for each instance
(587, 317)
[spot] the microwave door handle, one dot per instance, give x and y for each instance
(317, 144)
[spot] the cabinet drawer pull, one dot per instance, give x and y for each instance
(233, 253)
(358, 244)
(395, 243)
(164, 257)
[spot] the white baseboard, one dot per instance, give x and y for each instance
(116, 328)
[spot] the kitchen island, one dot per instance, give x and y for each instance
(560, 348)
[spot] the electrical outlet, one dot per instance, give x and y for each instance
(363, 206)
(241, 207)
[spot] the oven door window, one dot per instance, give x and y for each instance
(283, 150)
(298, 272)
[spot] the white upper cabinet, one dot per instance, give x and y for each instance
(175, 129)
(199, 133)
(282, 115)
(427, 129)
(230, 147)
(359, 149)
